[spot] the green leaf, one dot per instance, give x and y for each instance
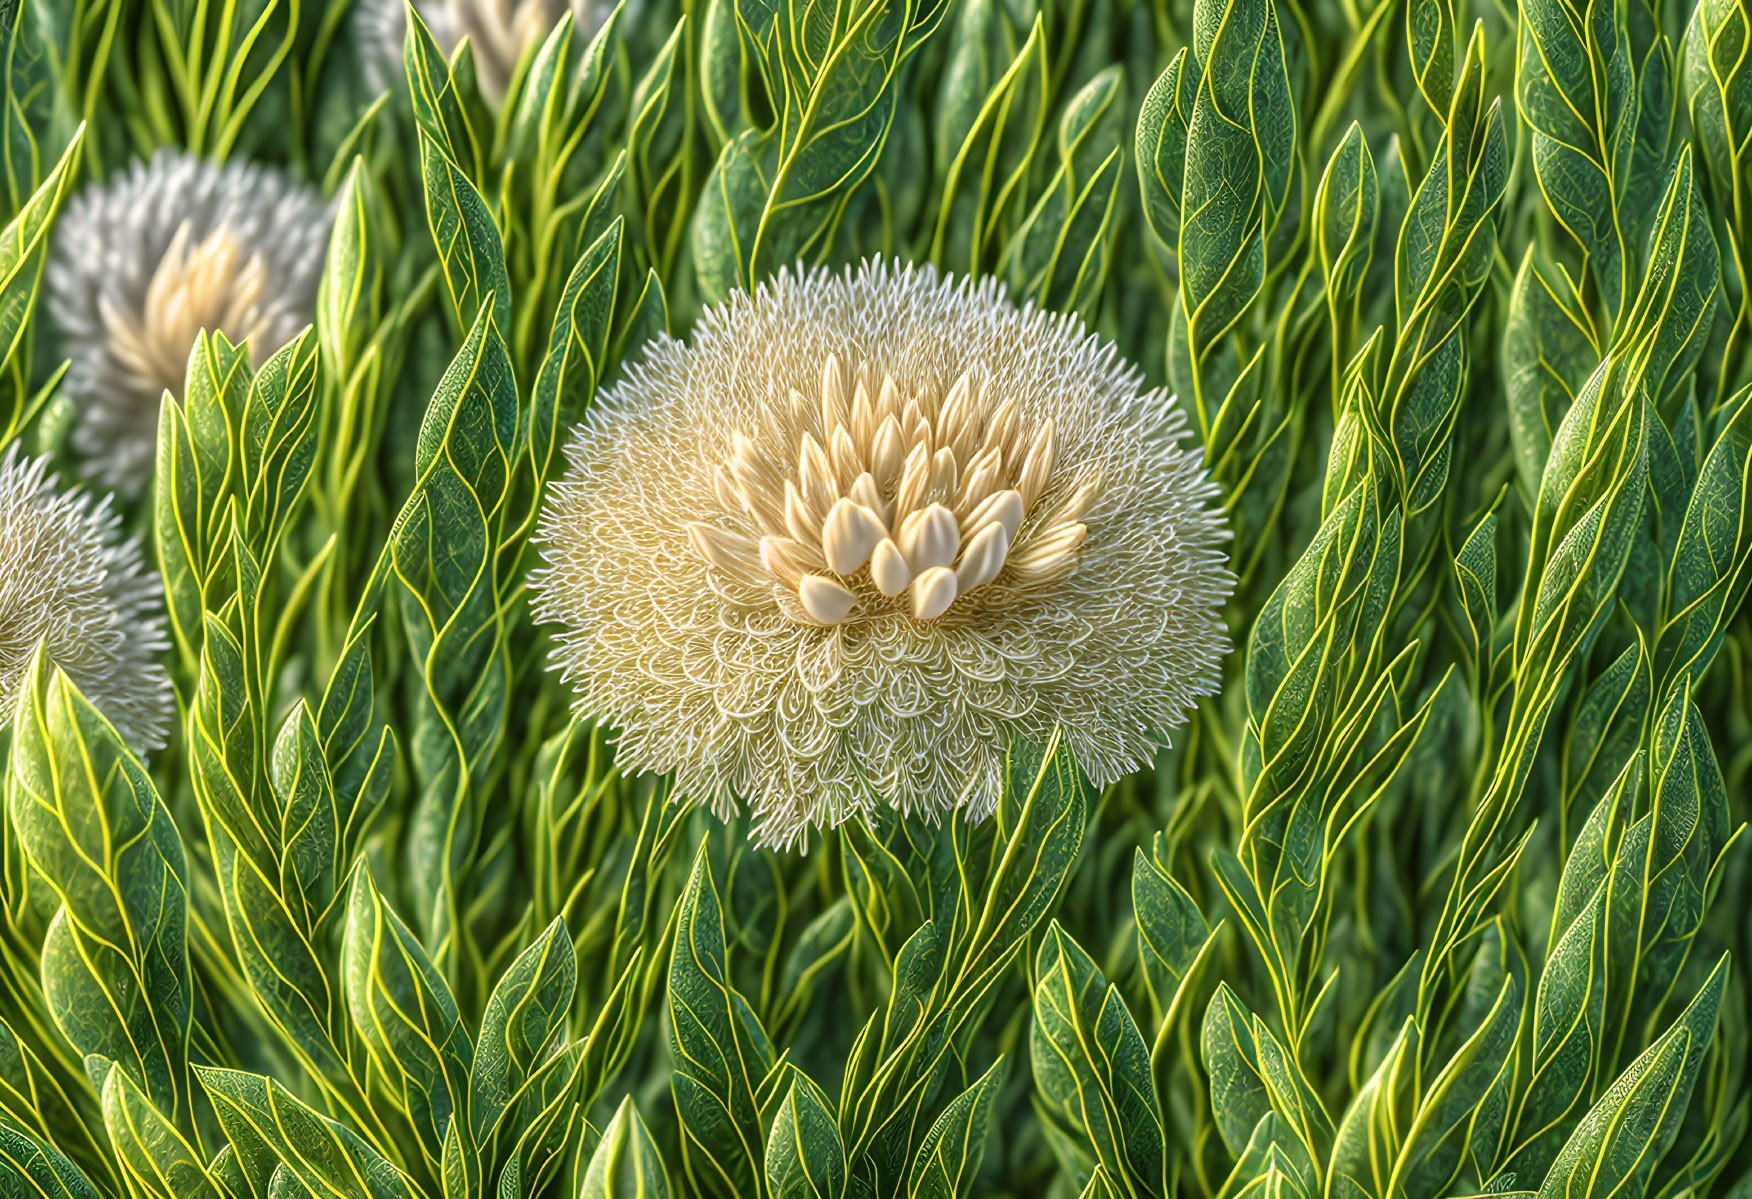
(525, 1012)
(1718, 85)
(1709, 574)
(1239, 171)
(469, 246)
(1171, 929)
(30, 1166)
(347, 294)
(1605, 731)
(1161, 147)
(1662, 337)
(1004, 878)
(948, 1159)
(1577, 93)
(1041, 822)
(24, 247)
(156, 1158)
(1570, 1005)
(326, 1158)
(443, 549)
(648, 320)
(626, 1164)
(1435, 1148)
(404, 1012)
(778, 195)
(1616, 1147)
(278, 432)
(721, 62)
(814, 960)
(438, 109)
(1092, 1068)
(981, 183)
(554, 1128)
(1589, 507)
(36, 119)
(1251, 1075)
(1347, 206)
(1446, 246)
(1475, 578)
(198, 464)
(660, 179)
(115, 966)
(721, 1055)
(1100, 1187)
(1432, 37)
(804, 1156)
(1060, 255)
(1662, 876)
(577, 348)
(1365, 1150)
(1549, 350)
(37, 1100)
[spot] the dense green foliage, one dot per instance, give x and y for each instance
(1445, 893)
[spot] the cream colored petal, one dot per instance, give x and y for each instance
(1005, 507)
(721, 547)
(1049, 555)
(982, 559)
(826, 600)
(865, 491)
(729, 495)
(930, 539)
(833, 403)
(888, 568)
(1079, 503)
(862, 423)
(1000, 429)
(888, 400)
(887, 452)
(800, 518)
(775, 424)
(781, 558)
(848, 535)
(815, 476)
(944, 472)
(955, 420)
(915, 479)
(932, 592)
(1037, 466)
(848, 463)
(912, 420)
(977, 482)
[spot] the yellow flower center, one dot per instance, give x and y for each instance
(211, 285)
(858, 505)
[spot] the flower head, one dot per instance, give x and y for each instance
(864, 528)
(67, 574)
(501, 32)
(142, 264)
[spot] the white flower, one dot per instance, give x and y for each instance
(68, 574)
(501, 32)
(864, 528)
(142, 264)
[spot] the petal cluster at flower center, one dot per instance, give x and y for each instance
(870, 499)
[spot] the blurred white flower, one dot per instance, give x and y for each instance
(143, 263)
(68, 574)
(864, 528)
(500, 31)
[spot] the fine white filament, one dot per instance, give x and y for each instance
(68, 574)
